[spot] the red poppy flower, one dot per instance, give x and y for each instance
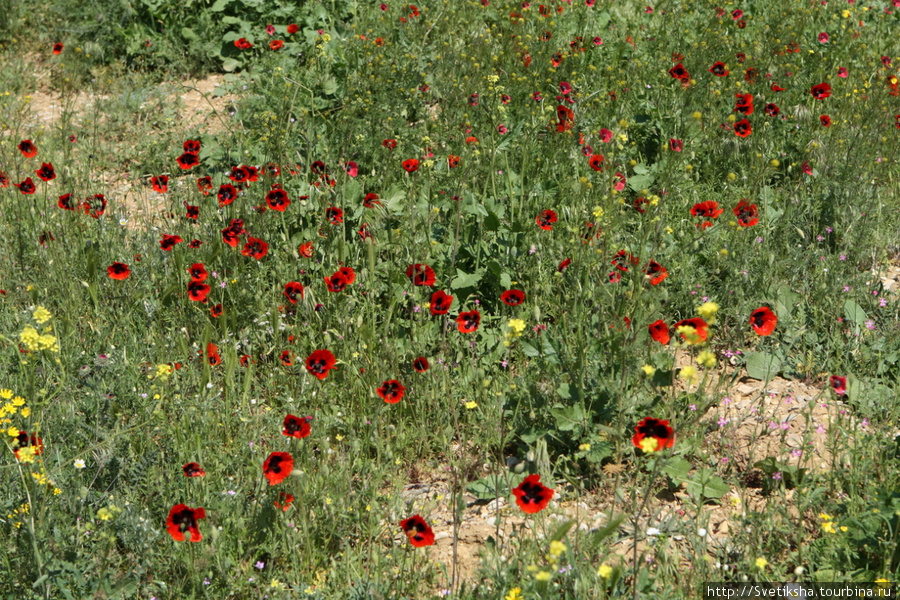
(389, 144)
(701, 329)
(293, 28)
(57, 48)
(348, 273)
(657, 429)
(183, 519)
(820, 91)
(23, 440)
(118, 271)
(284, 501)
(305, 250)
(94, 206)
(197, 271)
(743, 104)
(763, 321)
(216, 311)
(418, 531)
(513, 297)
(719, 70)
(546, 219)
(244, 360)
(46, 172)
(659, 331)
(243, 44)
(168, 242)
(292, 290)
(192, 469)
(825, 120)
(655, 272)
(352, 168)
(191, 212)
(26, 186)
(334, 215)
(391, 391)
(188, 161)
(337, 282)
(411, 164)
(27, 148)
(680, 73)
(276, 44)
(743, 128)
(204, 185)
(751, 75)
(747, 214)
(532, 496)
(194, 244)
(320, 362)
(564, 264)
(277, 199)
(297, 427)
(708, 210)
(420, 274)
(772, 110)
(676, 145)
(65, 202)
(255, 248)
(371, 200)
(838, 384)
(4, 179)
(595, 161)
(197, 291)
(452, 161)
(471, 140)
(191, 146)
(468, 322)
(776, 88)
(212, 355)
(160, 183)
(440, 302)
(622, 259)
(287, 358)
(420, 364)
(277, 467)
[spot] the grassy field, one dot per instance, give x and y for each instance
(482, 300)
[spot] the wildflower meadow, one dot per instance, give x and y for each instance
(482, 299)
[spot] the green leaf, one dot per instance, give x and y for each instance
(230, 64)
(528, 349)
(465, 280)
(219, 5)
(489, 488)
(763, 366)
(706, 485)
(562, 530)
(567, 417)
(677, 469)
(855, 312)
(563, 391)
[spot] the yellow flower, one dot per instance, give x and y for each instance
(543, 576)
(648, 370)
(557, 548)
(598, 212)
(26, 454)
(605, 571)
(41, 315)
(649, 445)
(688, 373)
(30, 338)
(471, 405)
(697, 115)
(761, 563)
(517, 325)
(689, 334)
(706, 359)
(514, 594)
(828, 527)
(26, 412)
(13, 432)
(708, 311)
(6, 394)
(104, 514)
(584, 447)
(18, 401)
(163, 371)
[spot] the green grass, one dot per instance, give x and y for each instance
(127, 394)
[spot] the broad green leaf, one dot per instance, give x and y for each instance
(464, 280)
(854, 312)
(763, 366)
